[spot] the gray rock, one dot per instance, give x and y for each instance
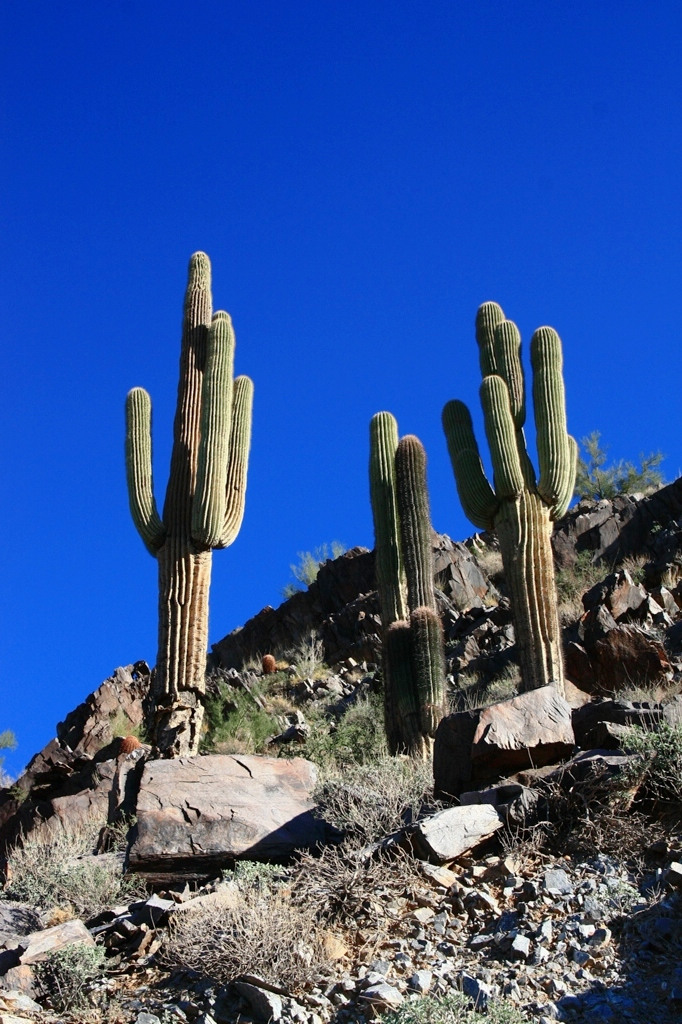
(38, 945)
(454, 831)
(556, 880)
(521, 947)
(264, 1005)
(17, 920)
(383, 995)
(474, 989)
(421, 982)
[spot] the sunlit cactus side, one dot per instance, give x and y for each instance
(520, 507)
(203, 508)
(389, 568)
(413, 659)
(268, 664)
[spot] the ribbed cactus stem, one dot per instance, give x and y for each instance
(413, 657)
(238, 460)
(428, 662)
(475, 493)
(203, 507)
(401, 704)
(520, 509)
(389, 569)
(139, 470)
(415, 521)
(208, 509)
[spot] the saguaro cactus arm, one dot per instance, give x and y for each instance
(555, 450)
(139, 470)
(477, 496)
(208, 507)
(415, 521)
(501, 433)
(390, 572)
(238, 460)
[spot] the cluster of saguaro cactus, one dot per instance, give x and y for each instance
(203, 508)
(413, 661)
(521, 508)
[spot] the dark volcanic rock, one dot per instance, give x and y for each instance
(120, 699)
(533, 729)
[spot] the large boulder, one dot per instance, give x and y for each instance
(196, 815)
(533, 729)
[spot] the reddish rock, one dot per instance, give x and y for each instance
(197, 814)
(120, 699)
(38, 945)
(533, 729)
(619, 593)
(629, 656)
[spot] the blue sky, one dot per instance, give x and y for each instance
(363, 175)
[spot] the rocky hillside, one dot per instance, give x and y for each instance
(295, 872)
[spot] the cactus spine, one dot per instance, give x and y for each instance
(203, 508)
(520, 508)
(414, 667)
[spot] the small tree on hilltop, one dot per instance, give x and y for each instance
(595, 480)
(8, 741)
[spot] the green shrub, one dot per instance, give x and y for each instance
(453, 1009)
(306, 569)
(658, 768)
(8, 741)
(357, 737)
(595, 480)
(308, 656)
(236, 721)
(370, 801)
(52, 867)
(66, 975)
(476, 690)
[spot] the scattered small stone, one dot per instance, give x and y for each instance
(557, 881)
(521, 947)
(421, 982)
(383, 995)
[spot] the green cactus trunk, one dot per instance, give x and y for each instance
(178, 681)
(413, 657)
(524, 530)
(520, 509)
(203, 508)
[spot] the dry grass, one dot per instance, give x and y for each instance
(53, 868)
(489, 560)
(370, 801)
(354, 890)
(476, 690)
(251, 927)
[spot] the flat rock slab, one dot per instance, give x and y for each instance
(455, 831)
(197, 814)
(39, 944)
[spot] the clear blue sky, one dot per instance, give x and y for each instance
(363, 175)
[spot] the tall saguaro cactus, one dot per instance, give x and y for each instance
(203, 508)
(521, 507)
(414, 668)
